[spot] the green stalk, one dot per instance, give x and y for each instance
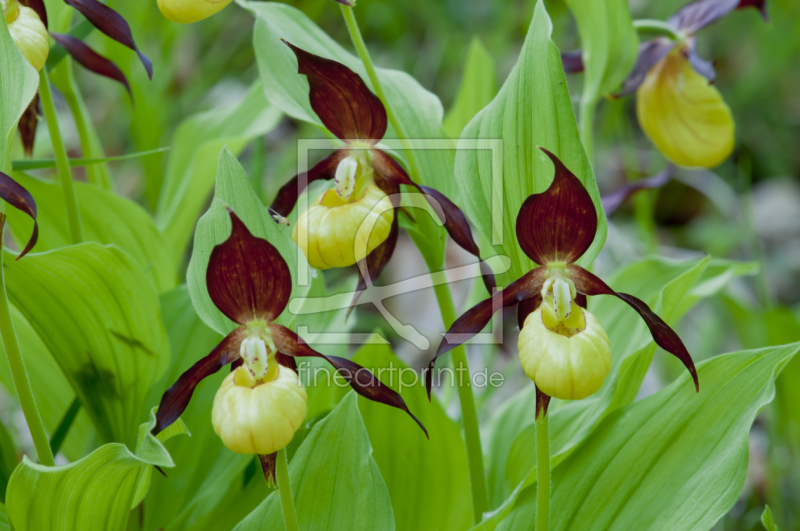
(543, 473)
(480, 499)
(658, 27)
(19, 374)
(62, 163)
(285, 491)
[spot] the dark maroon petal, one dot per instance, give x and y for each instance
(582, 301)
(527, 307)
(542, 403)
(286, 361)
(572, 61)
(177, 397)
(38, 6)
(697, 15)
(371, 267)
(247, 277)
(613, 200)
(701, 66)
(15, 195)
(112, 24)
(360, 379)
(477, 317)
(341, 99)
(287, 196)
(91, 60)
(559, 224)
(664, 336)
(268, 467)
(650, 52)
(27, 125)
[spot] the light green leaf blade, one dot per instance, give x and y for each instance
(233, 190)
(478, 88)
(192, 162)
(8, 459)
(428, 480)
(99, 316)
(335, 481)
(418, 110)
(532, 109)
(767, 520)
(18, 85)
(675, 460)
(107, 218)
(96, 492)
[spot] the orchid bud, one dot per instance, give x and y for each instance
(338, 232)
(567, 359)
(259, 417)
(684, 115)
(188, 11)
(28, 33)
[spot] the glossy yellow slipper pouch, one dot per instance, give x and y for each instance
(259, 417)
(337, 232)
(27, 32)
(684, 115)
(566, 359)
(188, 11)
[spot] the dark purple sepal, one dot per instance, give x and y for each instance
(664, 336)
(650, 53)
(542, 403)
(559, 224)
(38, 6)
(702, 66)
(613, 200)
(348, 3)
(572, 61)
(287, 361)
(176, 398)
(247, 278)
(27, 125)
(341, 99)
(527, 307)
(111, 24)
(287, 196)
(268, 468)
(361, 379)
(697, 15)
(18, 197)
(91, 60)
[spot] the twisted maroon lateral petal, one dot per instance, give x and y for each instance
(341, 99)
(38, 6)
(111, 24)
(286, 361)
(176, 398)
(287, 196)
(268, 467)
(18, 197)
(372, 266)
(91, 60)
(476, 318)
(527, 307)
(572, 61)
(613, 200)
(650, 53)
(702, 66)
(247, 277)
(559, 224)
(542, 403)
(664, 336)
(697, 15)
(27, 125)
(360, 379)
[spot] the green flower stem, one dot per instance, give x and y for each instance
(659, 27)
(62, 163)
(543, 473)
(22, 384)
(285, 491)
(469, 414)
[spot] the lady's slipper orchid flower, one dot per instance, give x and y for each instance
(262, 402)
(355, 221)
(562, 346)
(27, 31)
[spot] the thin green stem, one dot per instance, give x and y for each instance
(659, 27)
(62, 163)
(285, 491)
(19, 374)
(469, 414)
(543, 473)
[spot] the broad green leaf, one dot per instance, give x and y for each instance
(767, 521)
(533, 109)
(335, 481)
(192, 162)
(478, 88)
(98, 315)
(3, 518)
(107, 218)
(233, 190)
(428, 480)
(419, 111)
(673, 461)
(96, 492)
(18, 85)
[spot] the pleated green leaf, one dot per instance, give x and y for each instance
(98, 315)
(335, 481)
(18, 85)
(675, 461)
(533, 109)
(478, 88)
